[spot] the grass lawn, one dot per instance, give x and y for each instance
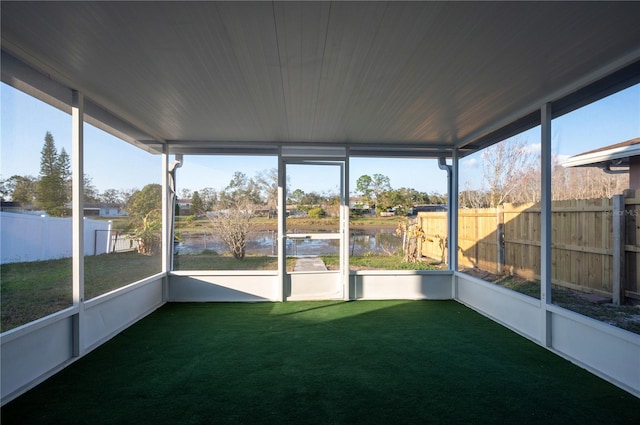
(209, 260)
(363, 362)
(33, 290)
(379, 262)
(36, 289)
(186, 224)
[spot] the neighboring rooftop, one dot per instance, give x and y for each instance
(616, 155)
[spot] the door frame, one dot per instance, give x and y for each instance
(342, 275)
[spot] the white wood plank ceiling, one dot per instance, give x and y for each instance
(389, 78)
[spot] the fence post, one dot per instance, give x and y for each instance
(107, 249)
(618, 212)
(631, 241)
(45, 238)
(500, 239)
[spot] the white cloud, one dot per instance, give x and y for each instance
(471, 163)
(533, 148)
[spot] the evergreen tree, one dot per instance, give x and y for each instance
(48, 156)
(197, 205)
(91, 194)
(64, 170)
(52, 191)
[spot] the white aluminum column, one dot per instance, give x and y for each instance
(282, 217)
(452, 237)
(77, 173)
(167, 224)
(167, 237)
(344, 229)
(545, 223)
(453, 213)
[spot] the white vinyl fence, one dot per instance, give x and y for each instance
(26, 237)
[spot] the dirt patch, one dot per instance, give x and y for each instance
(591, 305)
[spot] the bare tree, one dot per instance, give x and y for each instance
(503, 165)
(412, 238)
(267, 182)
(512, 174)
(111, 196)
(233, 225)
(209, 197)
(472, 198)
(232, 220)
(586, 183)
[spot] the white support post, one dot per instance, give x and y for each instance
(77, 173)
(344, 228)
(452, 237)
(167, 223)
(167, 242)
(453, 212)
(282, 217)
(545, 223)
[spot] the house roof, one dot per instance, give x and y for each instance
(380, 78)
(96, 205)
(613, 155)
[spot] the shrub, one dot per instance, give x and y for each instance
(316, 212)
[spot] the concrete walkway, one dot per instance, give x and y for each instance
(311, 263)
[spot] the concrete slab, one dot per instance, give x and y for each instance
(309, 264)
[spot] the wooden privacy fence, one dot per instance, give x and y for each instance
(594, 242)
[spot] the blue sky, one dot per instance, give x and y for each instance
(113, 164)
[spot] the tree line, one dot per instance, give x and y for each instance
(51, 190)
(262, 190)
(511, 173)
(376, 192)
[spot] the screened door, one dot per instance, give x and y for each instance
(315, 229)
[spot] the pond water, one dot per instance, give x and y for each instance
(378, 242)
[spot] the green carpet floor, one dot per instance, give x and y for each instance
(364, 362)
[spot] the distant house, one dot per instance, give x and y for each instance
(90, 209)
(10, 206)
(265, 212)
(359, 206)
(184, 207)
(103, 210)
(619, 158)
(291, 210)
